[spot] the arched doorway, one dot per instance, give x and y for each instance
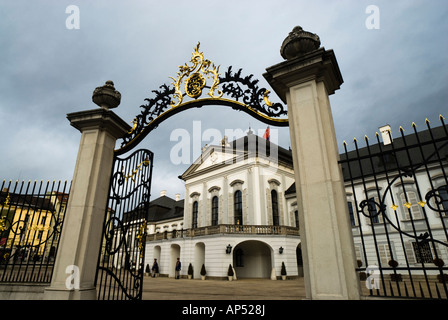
(175, 253)
(157, 252)
(252, 259)
(199, 259)
(156, 255)
(299, 260)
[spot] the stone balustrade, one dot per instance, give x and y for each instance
(225, 229)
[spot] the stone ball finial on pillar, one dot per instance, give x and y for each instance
(106, 96)
(298, 43)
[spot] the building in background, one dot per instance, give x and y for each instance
(241, 209)
(235, 213)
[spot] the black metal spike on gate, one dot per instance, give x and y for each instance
(438, 292)
(421, 289)
(406, 289)
(391, 289)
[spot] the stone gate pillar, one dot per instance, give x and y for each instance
(304, 81)
(77, 257)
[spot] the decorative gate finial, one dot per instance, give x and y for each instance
(106, 96)
(299, 42)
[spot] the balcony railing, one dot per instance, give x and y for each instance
(225, 229)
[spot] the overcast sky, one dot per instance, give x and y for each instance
(395, 75)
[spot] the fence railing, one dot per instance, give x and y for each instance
(31, 218)
(225, 229)
(397, 196)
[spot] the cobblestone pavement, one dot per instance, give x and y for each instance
(163, 288)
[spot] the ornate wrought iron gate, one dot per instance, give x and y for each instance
(398, 202)
(121, 259)
(120, 265)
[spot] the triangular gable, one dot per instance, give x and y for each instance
(213, 157)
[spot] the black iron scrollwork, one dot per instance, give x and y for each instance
(150, 111)
(232, 89)
(241, 93)
(438, 197)
(253, 96)
(375, 209)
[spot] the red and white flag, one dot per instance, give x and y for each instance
(266, 134)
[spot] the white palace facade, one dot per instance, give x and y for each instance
(241, 209)
(235, 213)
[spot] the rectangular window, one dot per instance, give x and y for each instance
(238, 207)
(409, 249)
(359, 256)
(215, 211)
(350, 212)
(414, 209)
(195, 215)
(422, 252)
(275, 216)
(384, 252)
(373, 212)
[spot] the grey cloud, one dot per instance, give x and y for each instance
(396, 74)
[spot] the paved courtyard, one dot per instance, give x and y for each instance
(163, 288)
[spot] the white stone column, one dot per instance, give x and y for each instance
(80, 240)
(259, 206)
(204, 218)
(304, 81)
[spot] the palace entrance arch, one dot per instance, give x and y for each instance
(253, 259)
(174, 255)
(197, 84)
(304, 81)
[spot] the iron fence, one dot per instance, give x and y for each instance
(397, 193)
(31, 218)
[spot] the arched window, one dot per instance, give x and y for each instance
(194, 223)
(215, 211)
(274, 200)
(238, 207)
